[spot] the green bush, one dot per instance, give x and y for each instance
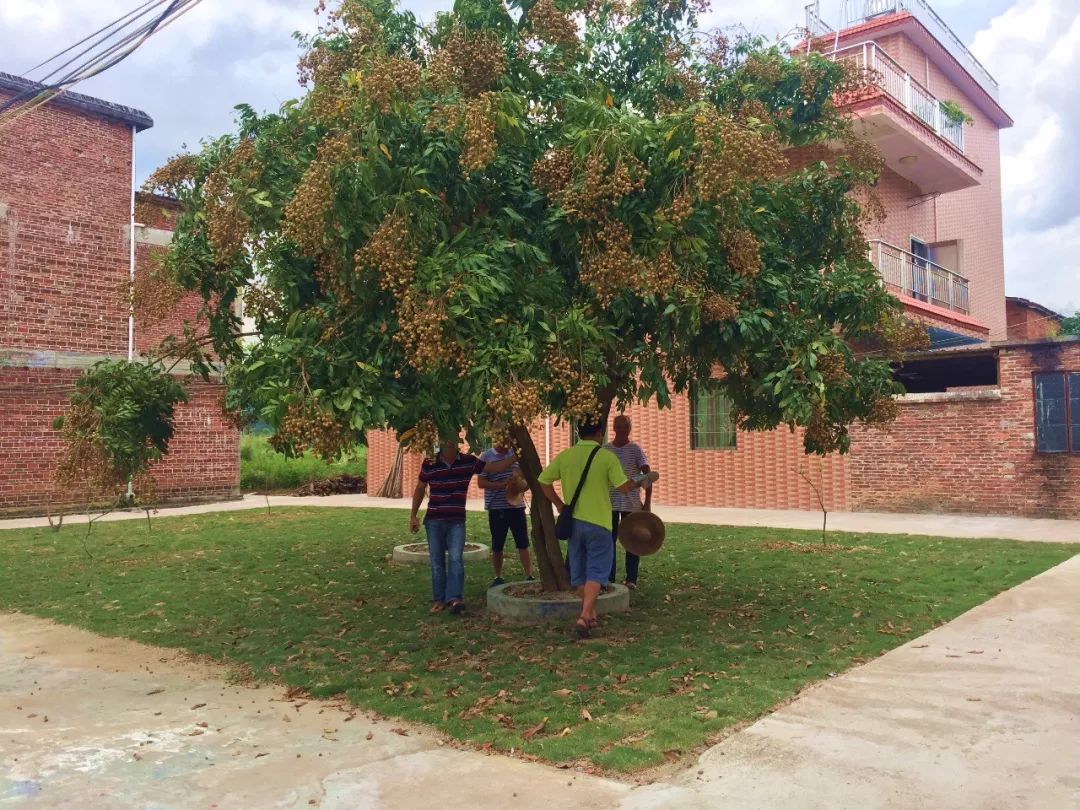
(263, 469)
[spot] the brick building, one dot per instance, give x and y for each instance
(991, 422)
(1030, 321)
(65, 257)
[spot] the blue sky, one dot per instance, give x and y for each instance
(226, 52)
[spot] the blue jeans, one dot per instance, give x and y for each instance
(590, 552)
(446, 541)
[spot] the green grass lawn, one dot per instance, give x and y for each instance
(727, 624)
(263, 469)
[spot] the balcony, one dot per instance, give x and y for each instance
(915, 277)
(887, 74)
(908, 124)
(863, 11)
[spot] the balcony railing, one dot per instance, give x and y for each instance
(887, 74)
(860, 11)
(920, 278)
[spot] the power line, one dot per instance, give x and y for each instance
(109, 27)
(34, 97)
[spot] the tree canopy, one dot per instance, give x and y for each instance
(540, 207)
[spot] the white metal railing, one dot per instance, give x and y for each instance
(920, 278)
(864, 10)
(815, 25)
(898, 83)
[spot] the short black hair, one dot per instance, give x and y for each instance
(591, 425)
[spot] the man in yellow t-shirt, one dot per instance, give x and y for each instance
(590, 548)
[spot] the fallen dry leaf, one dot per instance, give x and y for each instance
(197, 706)
(585, 715)
(154, 692)
(532, 732)
(369, 736)
(563, 693)
(400, 731)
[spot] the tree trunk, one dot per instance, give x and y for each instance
(546, 548)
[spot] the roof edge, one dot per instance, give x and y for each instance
(88, 104)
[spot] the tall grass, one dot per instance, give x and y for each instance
(263, 469)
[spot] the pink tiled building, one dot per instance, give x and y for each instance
(990, 424)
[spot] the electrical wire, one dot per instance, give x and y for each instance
(117, 22)
(100, 62)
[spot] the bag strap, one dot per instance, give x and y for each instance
(584, 475)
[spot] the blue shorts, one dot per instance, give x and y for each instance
(590, 552)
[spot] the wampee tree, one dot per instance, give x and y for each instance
(550, 207)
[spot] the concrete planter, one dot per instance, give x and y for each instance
(550, 608)
(417, 553)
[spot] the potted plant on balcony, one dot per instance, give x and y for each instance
(954, 113)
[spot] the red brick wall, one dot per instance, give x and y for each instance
(65, 186)
(762, 471)
(949, 453)
(203, 461)
(1026, 323)
(65, 180)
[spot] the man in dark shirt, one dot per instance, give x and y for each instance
(448, 476)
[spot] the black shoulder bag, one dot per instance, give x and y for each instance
(564, 524)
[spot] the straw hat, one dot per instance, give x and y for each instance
(641, 533)
(516, 487)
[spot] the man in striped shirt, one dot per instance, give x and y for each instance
(502, 517)
(633, 461)
(448, 475)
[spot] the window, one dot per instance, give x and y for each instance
(711, 426)
(1057, 412)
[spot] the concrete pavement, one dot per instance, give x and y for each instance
(983, 713)
(960, 526)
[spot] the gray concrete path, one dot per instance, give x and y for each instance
(961, 526)
(981, 714)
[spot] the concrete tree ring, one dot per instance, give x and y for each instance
(417, 554)
(540, 609)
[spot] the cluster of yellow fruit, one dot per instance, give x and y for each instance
(516, 403)
(478, 142)
(716, 308)
(580, 392)
(309, 426)
(608, 263)
(550, 25)
(732, 158)
(833, 368)
(260, 303)
(472, 61)
(154, 295)
(391, 251)
(421, 333)
(743, 252)
(554, 171)
(423, 438)
(227, 222)
(177, 173)
(305, 214)
(390, 79)
(603, 184)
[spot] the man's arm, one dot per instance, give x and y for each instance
(417, 499)
(496, 467)
(553, 496)
(647, 506)
(483, 482)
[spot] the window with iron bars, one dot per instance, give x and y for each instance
(711, 425)
(1057, 412)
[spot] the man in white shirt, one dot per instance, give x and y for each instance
(633, 461)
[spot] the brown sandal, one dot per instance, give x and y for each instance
(582, 627)
(437, 607)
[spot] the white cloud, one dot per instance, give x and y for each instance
(1034, 50)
